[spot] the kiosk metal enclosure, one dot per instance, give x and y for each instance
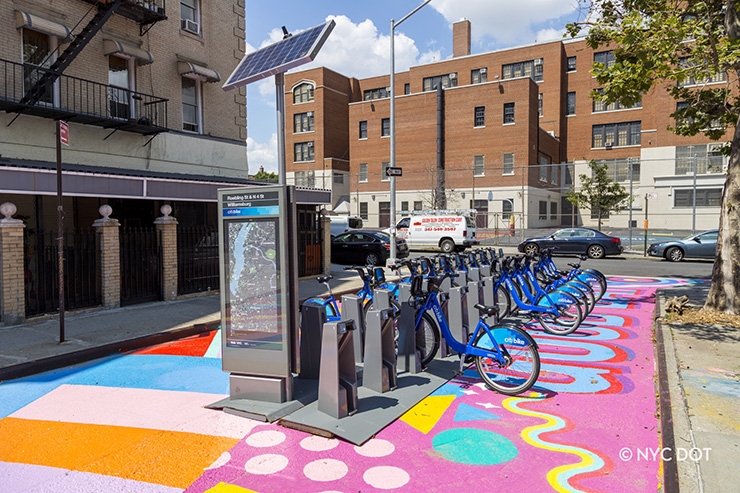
(259, 290)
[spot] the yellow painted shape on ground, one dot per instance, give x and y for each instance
(154, 456)
(228, 488)
(428, 412)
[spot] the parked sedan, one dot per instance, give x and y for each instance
(365, 248)
(703, 245)
(593, 243)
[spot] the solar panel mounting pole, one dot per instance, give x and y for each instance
(394, 24)
(280, 104)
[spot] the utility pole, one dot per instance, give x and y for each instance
(630, 162)
(60, 231)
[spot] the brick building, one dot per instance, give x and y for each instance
(509, 133)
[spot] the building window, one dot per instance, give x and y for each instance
(191, 105)
(303, 122)
(121, 80)
(447, 80)
(508, 113)
(544, 167)
(190, 16)
(407, 88)
(686, 62)
(705, 197)
(553, 210)
(543, 210)
(363, 172)
(384, 165)
(479, 76)
(600, 106)
(530, 68)
(479, 116)
(37, 48)
(618, 170)
(303, 151)
(363, 210)
(554, 173)
(385, 127)
(417, 205)
(616, 135)
(539, 105)
(379, 93)
(363, 129)
(479, 165)
(605, 58)
(305, 179)
(303, 93)
(570, 104)
(508, 163)
(571, 64)
(508, 208)
(681, 105)
(405, 206)
(708, 158)
(338, 178)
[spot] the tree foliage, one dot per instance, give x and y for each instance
(691, 49)
(598, 192)
(265, 176)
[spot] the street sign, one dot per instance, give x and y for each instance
(394, 171)
(652, 196)
(63, 133)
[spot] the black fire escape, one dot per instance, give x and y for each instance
(80, 100)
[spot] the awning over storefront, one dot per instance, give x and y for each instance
(46, 26)
(127, 50)
(194, 71)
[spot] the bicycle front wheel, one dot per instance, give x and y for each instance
(503, 301)
(427, 339)
(569, 316)
(522, 360)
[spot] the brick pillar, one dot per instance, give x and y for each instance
(12, 281)
(108, 257)
(167, 228)
(326, 247)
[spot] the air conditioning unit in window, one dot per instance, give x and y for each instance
(608, 144)
(190, 26)
(453, 76)
(310, 113)
(310, 144)
(483, 70)
(538, 61)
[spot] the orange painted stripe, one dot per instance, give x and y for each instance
(162, 457)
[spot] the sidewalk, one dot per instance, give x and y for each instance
(703, 379)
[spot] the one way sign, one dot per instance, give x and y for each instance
(393, 171)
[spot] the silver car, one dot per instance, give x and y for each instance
(703, 245)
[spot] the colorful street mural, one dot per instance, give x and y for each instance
(137, 422)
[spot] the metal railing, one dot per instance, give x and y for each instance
(80, 100)
(141, 266)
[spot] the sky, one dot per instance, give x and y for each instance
(359, 45)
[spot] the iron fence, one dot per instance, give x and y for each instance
(310, 234)
(197, 259)
(141, 266)
(41, 271)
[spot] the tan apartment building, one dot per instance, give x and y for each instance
(508, 134)
(137, 83)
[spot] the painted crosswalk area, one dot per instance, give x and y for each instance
(138, 422)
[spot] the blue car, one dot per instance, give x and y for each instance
(703, 245)
(587, 241)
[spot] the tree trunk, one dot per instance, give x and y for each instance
(726, 273)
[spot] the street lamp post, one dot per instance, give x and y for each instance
(394, 24)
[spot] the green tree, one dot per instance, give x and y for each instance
(598, 192)
(265, 176)
(668, 45)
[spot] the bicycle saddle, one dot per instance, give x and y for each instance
(323, 279)
(488, 311)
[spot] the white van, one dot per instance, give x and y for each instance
(447, 231)
(342, 224)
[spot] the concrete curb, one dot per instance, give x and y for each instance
(674, 414)
(63, 360)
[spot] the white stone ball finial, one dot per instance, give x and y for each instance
(166, 210)
(105, 210)
(8, 209)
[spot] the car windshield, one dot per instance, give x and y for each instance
(383, 237)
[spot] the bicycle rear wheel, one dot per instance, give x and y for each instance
(427, 339)
(589, 292)
(596, 280)
(522, 365)
(503, 301)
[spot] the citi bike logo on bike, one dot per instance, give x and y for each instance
(513, 339)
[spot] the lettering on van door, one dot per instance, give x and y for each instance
(440, 223)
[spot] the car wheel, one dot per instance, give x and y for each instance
(372, 259)
(531, 249)
(674, 254)
(595, 251)
(447, 246)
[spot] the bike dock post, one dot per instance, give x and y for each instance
(473, 298)
(462, 277)
(458, 313)
(382, 299)
(485, 271)
(473, 274)
(379, 371)
(489, 297)
(408, 357)
(338, 377)
(352, 310)
(313, 318)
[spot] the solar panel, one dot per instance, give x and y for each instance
(280, 57)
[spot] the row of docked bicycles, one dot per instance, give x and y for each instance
(527, 288)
